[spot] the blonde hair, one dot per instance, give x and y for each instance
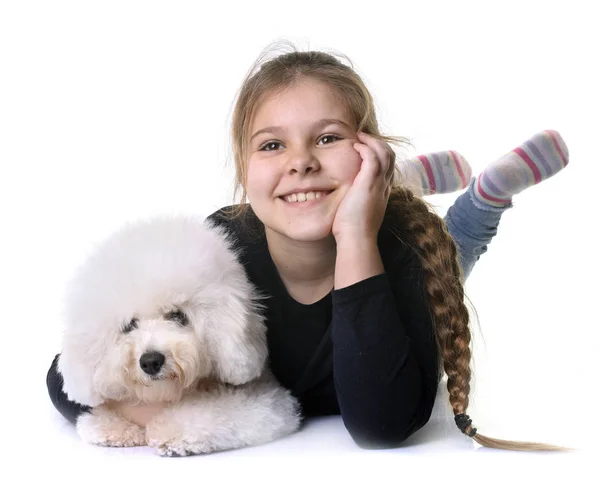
(414, 222)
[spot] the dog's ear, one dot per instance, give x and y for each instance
(237, 340)
(77, 370)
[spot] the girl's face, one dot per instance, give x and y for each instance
(307, 147)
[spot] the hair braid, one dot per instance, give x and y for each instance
(422, 229)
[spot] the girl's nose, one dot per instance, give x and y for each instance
(304, 162)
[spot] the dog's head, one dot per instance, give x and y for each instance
(160, 305)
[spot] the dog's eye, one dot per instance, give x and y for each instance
(133, 324)
(178, 316)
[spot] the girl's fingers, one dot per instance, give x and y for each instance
(370, 162)
(389, 174)
(380, 148)
(384, 155)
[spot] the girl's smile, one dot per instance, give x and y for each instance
(307, 198)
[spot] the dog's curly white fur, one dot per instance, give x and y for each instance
(162, 315)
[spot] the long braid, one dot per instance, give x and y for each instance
(425, 231)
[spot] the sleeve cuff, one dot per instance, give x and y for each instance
(368, 286)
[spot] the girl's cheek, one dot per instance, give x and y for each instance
(258, 179)
(352, 163)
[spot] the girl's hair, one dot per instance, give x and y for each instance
(414, 221)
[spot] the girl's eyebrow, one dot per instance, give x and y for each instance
(318, 124)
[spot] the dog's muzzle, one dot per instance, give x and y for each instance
(152, 362)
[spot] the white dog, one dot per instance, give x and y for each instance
(162, 318)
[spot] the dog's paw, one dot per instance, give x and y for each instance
(104, 428)
(168, 439)
(181, 448)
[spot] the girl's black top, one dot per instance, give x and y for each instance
(366, 351)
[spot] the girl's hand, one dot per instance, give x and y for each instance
(360, 214)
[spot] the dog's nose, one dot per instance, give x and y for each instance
(151, 362)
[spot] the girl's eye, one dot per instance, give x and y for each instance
(263, 148)
(130, 326)
(330, 136)
(178, 316)
(269, 144)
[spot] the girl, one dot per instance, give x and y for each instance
(365, 283)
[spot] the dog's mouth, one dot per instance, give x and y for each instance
(169, 376)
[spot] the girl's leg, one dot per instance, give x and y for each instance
(474, 218)
(473, 225)
(440, 172)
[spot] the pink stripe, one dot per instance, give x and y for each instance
(429, 171)
(537, 176)
(460, 171)
(562, 154)
(486, 196)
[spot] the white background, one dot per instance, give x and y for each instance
(116, 110)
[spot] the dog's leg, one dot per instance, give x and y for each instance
(106, 428)
(224, 418)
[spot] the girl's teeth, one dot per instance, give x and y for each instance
(301, 197)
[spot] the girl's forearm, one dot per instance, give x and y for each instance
(356, 260)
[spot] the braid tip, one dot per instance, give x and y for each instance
(462, 422)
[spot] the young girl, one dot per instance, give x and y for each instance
(365, 283)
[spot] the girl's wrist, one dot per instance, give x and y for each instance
(356, 260)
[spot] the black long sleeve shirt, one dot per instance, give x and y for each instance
(366, 351)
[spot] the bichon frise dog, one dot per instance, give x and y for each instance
(162, 318)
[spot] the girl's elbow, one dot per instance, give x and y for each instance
(387, 431)
(70, 410)
(380, 438)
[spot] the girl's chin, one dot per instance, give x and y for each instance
(310, 235)
(304, 232)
